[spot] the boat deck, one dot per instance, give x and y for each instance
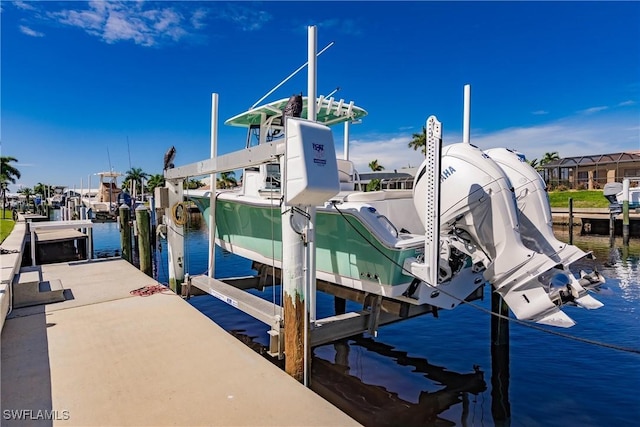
(107, 357)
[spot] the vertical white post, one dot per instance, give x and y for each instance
(33, 243)
(90, 243)
(313, 73)
(311, 210)
(175, 237)
(432, 210)
(212, 178)
(466, 124)
(346, 141)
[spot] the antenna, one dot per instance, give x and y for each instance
(109, 158)
(129, 151)
(333, 92)
(290, 76)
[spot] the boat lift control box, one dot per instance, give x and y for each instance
(311, 167)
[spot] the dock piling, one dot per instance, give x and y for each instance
(625, 212)
(144, 241)
(571, 220)
(125, 232)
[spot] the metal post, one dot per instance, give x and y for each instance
(90, 243)
(625, 211)
(125, 232)
(466, 114)
(144, 245)
(33, 244)
(346, 141)
(175, 235)
(212, 195)
(571, 220)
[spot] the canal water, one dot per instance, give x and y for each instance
(430, 371)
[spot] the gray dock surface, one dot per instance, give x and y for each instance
(105, 357)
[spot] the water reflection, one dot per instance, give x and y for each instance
(341, 382)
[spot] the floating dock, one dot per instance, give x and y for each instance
(105, 356)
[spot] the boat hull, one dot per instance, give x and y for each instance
(347, 252)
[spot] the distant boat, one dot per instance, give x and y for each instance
(104, 203)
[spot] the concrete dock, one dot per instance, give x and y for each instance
(109, 358)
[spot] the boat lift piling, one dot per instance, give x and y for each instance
(625, 212)
(125, 232)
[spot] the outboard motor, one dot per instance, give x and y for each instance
(478, 216)
(536, 224)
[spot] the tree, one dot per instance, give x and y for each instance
(8, 172)
(374, 184)
(375, 166)
(133, 178)
(43, 189)
(548, 158)
(155, 181)
(226, 180)
(27, 193)
(192, 184)
(419, 140)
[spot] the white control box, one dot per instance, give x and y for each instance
(312, 170)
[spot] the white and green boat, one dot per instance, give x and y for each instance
(376, 241)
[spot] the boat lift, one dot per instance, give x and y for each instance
(299, 282)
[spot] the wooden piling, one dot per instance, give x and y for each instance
(125, 232)
(571, 220)
(500, 406)
(144, 241)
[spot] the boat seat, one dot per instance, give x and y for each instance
(376, 196)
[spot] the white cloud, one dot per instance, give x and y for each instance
(248, 19)
(28, 31)
(23, 5)
(392, 153)
(539, 113)
(573, 136)
(117, 21)
(593, 110)
(626, 103)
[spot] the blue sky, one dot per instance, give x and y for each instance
(89, 85)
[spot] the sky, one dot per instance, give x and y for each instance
(92, 86)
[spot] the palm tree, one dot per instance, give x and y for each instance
(8, 172)
(27, 192)
(374, 184)
(548, 158)
(226, 180)
(133, 178)
(192, 184)
(419, 140)
(375, 166)
(155, 181)
(534, 164)
(42, 189)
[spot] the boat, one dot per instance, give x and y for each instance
(494, 226)
(613, 192)
(104, 203)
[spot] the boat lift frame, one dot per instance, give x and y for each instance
(377, 310)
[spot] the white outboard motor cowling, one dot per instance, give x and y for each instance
(478, 207)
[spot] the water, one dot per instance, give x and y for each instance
(438, 371)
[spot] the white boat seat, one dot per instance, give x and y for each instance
(375, 196)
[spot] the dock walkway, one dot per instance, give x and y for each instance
(106, 357)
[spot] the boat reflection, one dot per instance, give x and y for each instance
(379, 404)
